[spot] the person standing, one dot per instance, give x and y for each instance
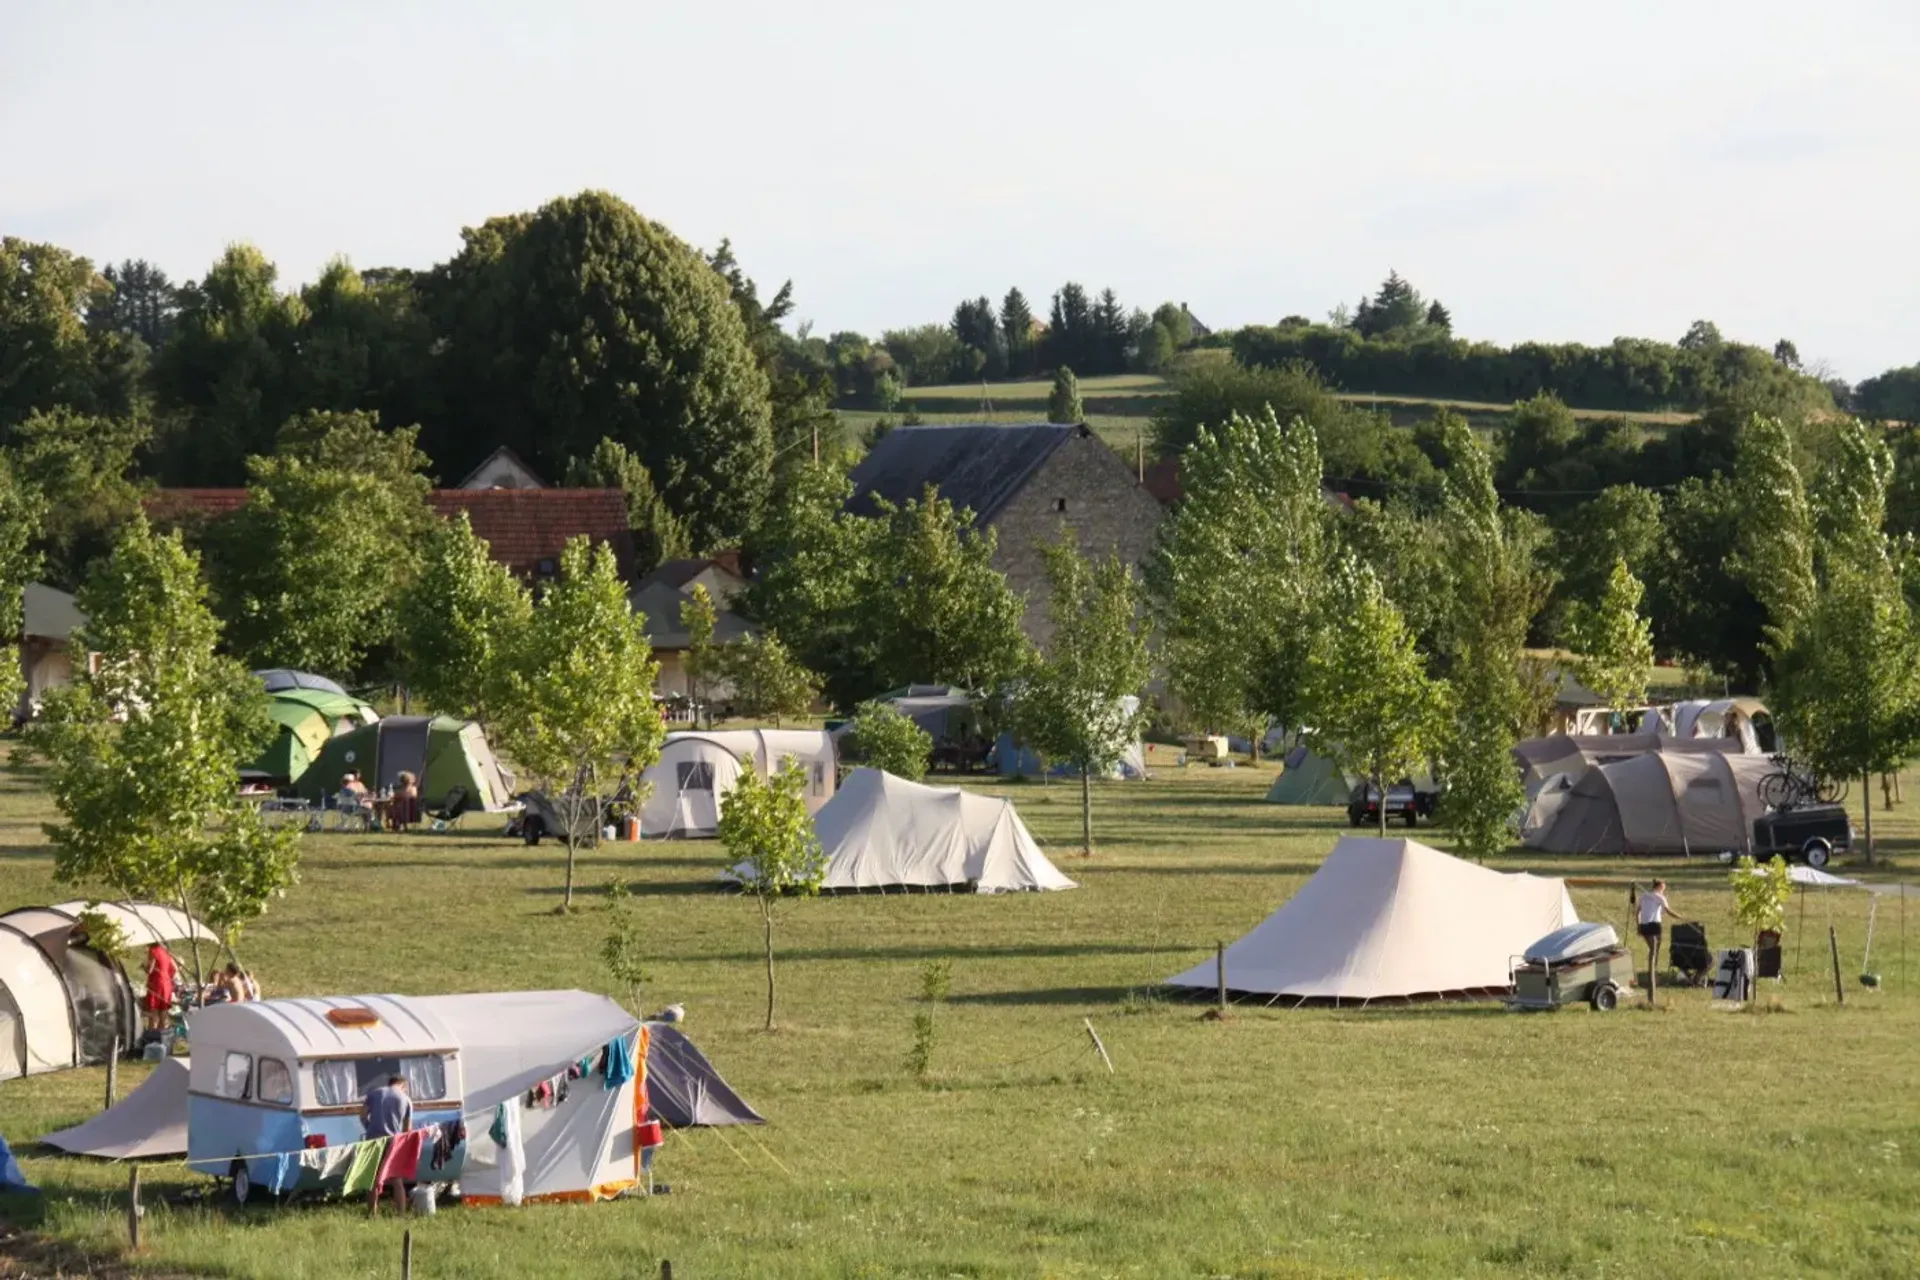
(1653, 908)
(387, 1113)
(158, 1002)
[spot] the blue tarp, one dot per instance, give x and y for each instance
(11, 1179)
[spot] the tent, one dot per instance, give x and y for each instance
(1309, 778)
(279, 679)
(1392, 919)
(149, 1122)
(1659, 802)
(1012, 758)
(686, 784)
(682, 1086)
(882, 832)
(1743, 720)
(62, 1002)
(305, 720)
(1573, 754)
(444, 754)
(696, 770)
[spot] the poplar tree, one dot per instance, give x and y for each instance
(1774, 548)
(765, 825)
(1612, 643)
(1063, 404)
(460, 623)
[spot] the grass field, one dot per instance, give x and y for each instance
(1445, 1140)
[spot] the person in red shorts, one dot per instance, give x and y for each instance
(159, 998)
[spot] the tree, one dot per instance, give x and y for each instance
(1374, 709)
(1893, 396)
(1438, 317)
(765, 825)
(308, 572)
(144, 751)
(1620, 523)
(139, 302)
(585, 321)
(1499, 587)
(1774, 552)
(1016, 326)
(1080, 705)
(1702, 336)
(1396, 308)
(925, 354)
(978, 330)
(1174, 318)
(1612, 643)
(658, 534)
(1071, 338)
(579, 687)
(1063, 404)
(22, 509)
(768, 682)
(1210, 391)
(799, 372)
(48, 357)
(1760, 895)
(459, 624)
(81, 468)
(1238, 573)
(702, 662)
(1785, 353)
(1849, 500)
(882, 737)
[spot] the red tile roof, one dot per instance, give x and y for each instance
(523, 527)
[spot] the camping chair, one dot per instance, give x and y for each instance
(447, 814)
(352, 813)
(1687, 951)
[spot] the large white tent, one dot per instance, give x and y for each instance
(696, 770)
(1392, 919)
(885, 832)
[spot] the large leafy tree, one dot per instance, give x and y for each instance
(1702, 611)
(1774, 549)
(48, 357)
(1500, 586)
(138, 302)
(460, 624)
(768, 682)
(799, 373)
(1373, 707)
(309, 570)
(1238, 573)
(144, 751)
(579, 687)
(22, 510)
(1613, 643)
(882, 737)
(82, 468)
(1079, 705)
(658, 534)
(585, 321)
(765, 825)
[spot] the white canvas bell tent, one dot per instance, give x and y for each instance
(883, 832)
(1392, 919)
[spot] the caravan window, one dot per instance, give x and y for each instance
(275, 1083)
(696, 775)
(235, 1069)
(344, 1082)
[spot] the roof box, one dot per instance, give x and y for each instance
(1574, 940)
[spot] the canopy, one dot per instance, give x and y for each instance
(1309, 778)
(443, 754)
(1386, 919)
(881, 831)
(279, 678)
(1660, 802)
(151, 1121)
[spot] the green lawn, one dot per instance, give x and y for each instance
(1452, 1140)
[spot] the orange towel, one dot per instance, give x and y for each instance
(403, 1157)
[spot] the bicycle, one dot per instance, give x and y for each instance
(1793, 785)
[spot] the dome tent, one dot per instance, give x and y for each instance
(304, 721)
(696, 770)
(280, 679)
(1306, 777)
(880, 831)
(1660, 802)
(442, 753)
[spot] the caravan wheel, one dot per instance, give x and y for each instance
(1817, 853)
(242, 1182)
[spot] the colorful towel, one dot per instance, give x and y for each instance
(366, 1163)
(619, 1063)
(402, 1158)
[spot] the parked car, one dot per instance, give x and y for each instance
(1811, 833)
(1404, 801)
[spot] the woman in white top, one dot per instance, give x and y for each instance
(1653, 905)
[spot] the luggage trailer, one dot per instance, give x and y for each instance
(1582, 963)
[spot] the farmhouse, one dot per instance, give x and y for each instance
(1023, 482)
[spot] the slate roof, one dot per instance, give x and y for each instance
(678, 573)
(977, 467)
(662, 602)
(522, 527)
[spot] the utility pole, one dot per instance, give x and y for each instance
(816, 444)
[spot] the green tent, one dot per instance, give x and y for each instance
(304, 720)
(444, 754)
(1310, 779)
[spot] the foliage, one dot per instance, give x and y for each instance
(1893, 396)
(1373, 709)
(579, 686)
(658, 534)
(1621, 523)
(48, 358)
(1016, 330)
(1760, 895)
(585, 321)
(1073, 707)
(1612, 643)
(81, 466)
(764, 825)
(935, 979)
(1063, 405)
(308, 573)
(143, 754)
(1702, 612)
(1500, 588)
(623, 953)
(460, 624)
(1237, 574)
(768, 682)
(881, 737)
(103, 933)
(1773, 554)
(701, 663)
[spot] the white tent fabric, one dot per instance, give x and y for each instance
(1720, 718)
(37, 1033)
(149, 1122)
(882, 832)
(1386, 919)
(147, 923)
(768, 749)
(687, 783)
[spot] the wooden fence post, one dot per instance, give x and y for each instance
(1839, 988)
(406, 1255)
(133, 1206)
(1220, 968)
(666, 1270)
(113, 1072)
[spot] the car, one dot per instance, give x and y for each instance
(1810, 833)
(1404, 801)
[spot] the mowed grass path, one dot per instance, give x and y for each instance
(1452, 1140)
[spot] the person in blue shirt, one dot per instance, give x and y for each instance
(386, 1113)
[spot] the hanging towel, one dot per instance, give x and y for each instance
(365, 1164)
(513, 1160)
(499, 1130)
(402, 1159)
(311, 1168)
(619, 1063)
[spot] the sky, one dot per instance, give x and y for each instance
(1550, 171)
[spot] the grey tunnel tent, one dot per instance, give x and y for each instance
(1660, 802)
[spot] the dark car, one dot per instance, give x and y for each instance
(1812, 833)
(1404, 801)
